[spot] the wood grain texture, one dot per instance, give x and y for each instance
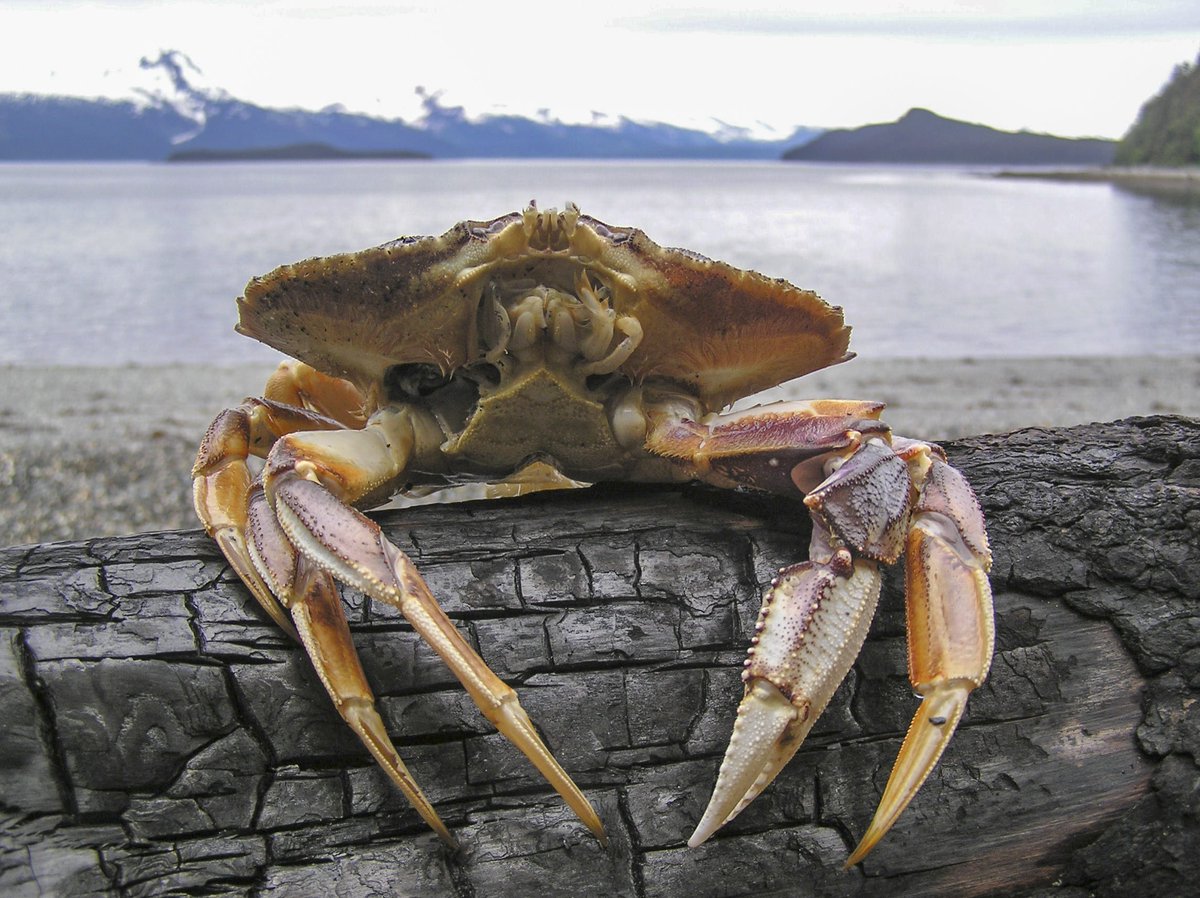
(160, 737)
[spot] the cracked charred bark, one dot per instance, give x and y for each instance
(159, 737)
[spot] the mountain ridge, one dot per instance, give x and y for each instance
(921, 136)
(173, 110)
(174, 114)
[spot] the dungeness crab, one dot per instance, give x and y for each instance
(544, 348)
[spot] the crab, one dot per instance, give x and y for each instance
(547, 349)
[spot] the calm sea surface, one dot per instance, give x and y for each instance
(140, 263)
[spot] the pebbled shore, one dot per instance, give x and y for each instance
(87, 452)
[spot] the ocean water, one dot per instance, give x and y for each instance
(140, 263)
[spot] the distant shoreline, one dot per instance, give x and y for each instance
(291, 152)
(1176, 181)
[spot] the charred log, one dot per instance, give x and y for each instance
(159, 736)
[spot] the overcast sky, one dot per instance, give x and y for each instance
(1075, 67)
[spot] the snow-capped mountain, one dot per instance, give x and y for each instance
(173, 82)
(166, 106)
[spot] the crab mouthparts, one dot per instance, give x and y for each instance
(550, 230)
(534, 324)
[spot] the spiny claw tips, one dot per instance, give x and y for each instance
(763, 717)
(928, 735)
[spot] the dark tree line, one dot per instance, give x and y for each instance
(1167, 130)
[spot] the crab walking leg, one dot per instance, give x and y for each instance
(951, 630)
(297, 384)
(309, 595)
(221, 481)
(322, 625)
(310, 478)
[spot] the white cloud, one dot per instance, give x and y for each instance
(1020, 19)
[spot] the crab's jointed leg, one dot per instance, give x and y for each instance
(309, 594)
(297, 397)
(298, 596)
(298, 529)
(311, 479)
(302, 386)
(870, 496)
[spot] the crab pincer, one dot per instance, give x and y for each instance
(815, 616)
(951, 628)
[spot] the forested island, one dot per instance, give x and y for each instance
(295, 151)
(924, 137)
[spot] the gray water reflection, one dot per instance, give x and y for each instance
(128, 263)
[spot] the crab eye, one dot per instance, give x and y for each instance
(413, 380)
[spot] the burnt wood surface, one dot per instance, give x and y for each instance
(158, 736)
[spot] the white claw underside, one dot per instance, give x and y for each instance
(763, 717)
(812, 628)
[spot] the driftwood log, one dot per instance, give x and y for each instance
(158, 736)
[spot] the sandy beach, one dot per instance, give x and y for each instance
(88, 452)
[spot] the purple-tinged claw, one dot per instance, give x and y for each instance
(814, 619)
(865, 502)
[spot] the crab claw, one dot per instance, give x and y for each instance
(813, 622)
(879, 500)
(928, 735)
(950, 627)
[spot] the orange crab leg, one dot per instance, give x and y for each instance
(235, 512)
(303, 386)
(310, 596)
(309, 480)
(221, 479)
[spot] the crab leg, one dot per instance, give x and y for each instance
(297, 384)
(876, 495)
(310, 596)
(221, 479)
(297, 397)
(309, 480)
(235, 511)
